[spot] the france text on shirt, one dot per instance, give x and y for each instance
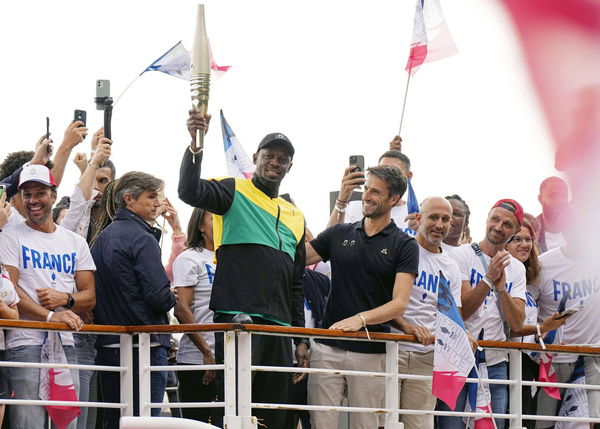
(576, 290)
(34, 259)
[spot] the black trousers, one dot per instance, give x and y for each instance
(191, 389)
(267, 387)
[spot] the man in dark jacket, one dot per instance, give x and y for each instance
(259, 241)
(132, 285)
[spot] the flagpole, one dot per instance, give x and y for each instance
(127, 87)
(404, 102)
(488, 400)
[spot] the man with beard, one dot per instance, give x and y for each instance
(554, 198)
(259, 241)
(373, 265)
(52, 270)
(493, 291)
(420, 316)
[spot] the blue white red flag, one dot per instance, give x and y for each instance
(176, 62)
(431, 39)
(452, 355)
(238, 162)
(574, 401)
(412, 205)
(478, 394)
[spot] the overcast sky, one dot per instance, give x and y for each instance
(328, 74)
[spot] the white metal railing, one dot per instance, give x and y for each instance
(238, 369)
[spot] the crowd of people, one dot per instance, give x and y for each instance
(248, 255)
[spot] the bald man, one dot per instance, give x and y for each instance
(420, 316)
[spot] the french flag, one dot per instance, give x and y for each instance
(431, 39)
(478, 394)
(412, 204)
(238, 162)
(452, 355)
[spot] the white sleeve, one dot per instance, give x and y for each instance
(186, 271)
(9, 249)
(353, 212)
(77, 218)
(84, 257)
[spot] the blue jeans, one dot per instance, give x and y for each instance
(25, 383)
(85, 346)
(109, 382)
(499, 393)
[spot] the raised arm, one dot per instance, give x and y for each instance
(351, 181)
(74, 134)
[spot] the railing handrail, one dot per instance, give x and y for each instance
(274, 329)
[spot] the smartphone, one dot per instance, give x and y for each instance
(357, 160)
(80, 115)
(568, 312)
(102, 91)
(2, 190)
(49, 147)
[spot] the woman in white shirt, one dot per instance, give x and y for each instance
(522, 247)
(193, 273)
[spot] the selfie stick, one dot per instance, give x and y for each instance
(200, 72)
(107, 102)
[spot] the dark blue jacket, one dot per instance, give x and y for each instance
(132, 287)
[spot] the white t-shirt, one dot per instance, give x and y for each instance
(194, 267)
(447, 248)
(562, 276)
(14, 219)
(8, 294)
(354, 214)
(532, 294)
(487, 316)
(553, 240)
(43, 260)
(422, 305)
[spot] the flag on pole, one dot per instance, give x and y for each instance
(574, 401)
(238, 162)
(478, 394)
(412, 205)
(431, 39)
(176, 62)
(452, 355)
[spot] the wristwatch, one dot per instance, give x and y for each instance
(70, 301)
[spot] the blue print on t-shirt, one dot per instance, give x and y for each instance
(62, 263)
(576, 290)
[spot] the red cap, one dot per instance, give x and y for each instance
(512, 206)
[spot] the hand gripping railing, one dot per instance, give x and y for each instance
(238, 403)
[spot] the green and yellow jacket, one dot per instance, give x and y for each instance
(259, 243)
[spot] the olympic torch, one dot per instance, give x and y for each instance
(200, 71)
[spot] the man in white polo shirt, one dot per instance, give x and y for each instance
(493, 291)
(420, 315)
(52, 270)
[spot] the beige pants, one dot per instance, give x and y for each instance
(328, 389)
(416, 394)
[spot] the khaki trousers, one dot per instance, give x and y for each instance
(416, 394)
(328, 389)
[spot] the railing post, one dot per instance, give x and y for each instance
(126, 356)
(515, 391)
(144, 374)
(231, 419)
(244, 360)
(392, 400)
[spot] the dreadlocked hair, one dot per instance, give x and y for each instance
(108, 208)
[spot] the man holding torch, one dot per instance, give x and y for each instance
(259, 244)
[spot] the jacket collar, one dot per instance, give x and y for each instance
(391, 227)
(128, 215)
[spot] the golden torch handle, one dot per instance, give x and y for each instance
(200, 86)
